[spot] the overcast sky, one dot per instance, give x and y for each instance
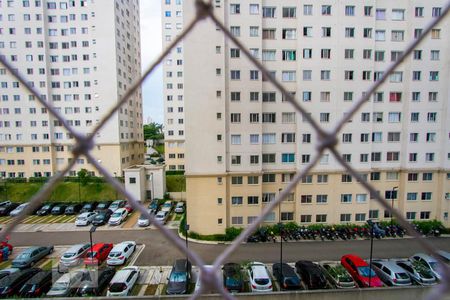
(150, 48)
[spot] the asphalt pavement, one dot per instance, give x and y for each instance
(158, 251)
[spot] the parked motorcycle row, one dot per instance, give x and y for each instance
(331, 233)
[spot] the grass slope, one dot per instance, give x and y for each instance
(175, 183)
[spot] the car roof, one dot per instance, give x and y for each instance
(121, 246)
(122, 274)
(358, 261)
(426, 257)
(85, 214)
(259, 271)
(180, 265)
(391, 265)
(38, 277)
(117, 201)
(97, 246)
(120, 210)
(75, 248)
(13, 276)
(31, 249)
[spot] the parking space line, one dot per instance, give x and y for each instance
(136, 254)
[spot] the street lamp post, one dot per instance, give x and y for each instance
(392, 204)
(371, 250)
(153, 188)
(79, 188)
(92, 230)
(115, 177)
(281, 234)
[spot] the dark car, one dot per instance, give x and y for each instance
(95, 282)
(311, 274)
(11, 284)
(39, 284)
(45, 209)
(88, 207)
(179, 277)
(102, 217)
(29, 256)
(103, 205)
(73, 209)
(7, 208)
(232, 278)
(59, 209)
(153, 206)
(286, 276)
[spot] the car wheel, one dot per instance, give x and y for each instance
(51, 251)
(32, 264)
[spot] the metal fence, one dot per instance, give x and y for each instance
(327, 140)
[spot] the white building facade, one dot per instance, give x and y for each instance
(81, 56)
(244, 143)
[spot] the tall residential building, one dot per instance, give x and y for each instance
(244, 143)
(81, 56)
(173, 91)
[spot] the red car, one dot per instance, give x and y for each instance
(128, 207)
(360, 271)
(98, 254)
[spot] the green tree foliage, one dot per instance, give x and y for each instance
(153, 131)
(83, 177)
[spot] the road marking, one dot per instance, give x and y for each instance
(136, 254)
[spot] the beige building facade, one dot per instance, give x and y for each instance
(81, 56)
(244, 143)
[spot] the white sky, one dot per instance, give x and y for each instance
(151, 42)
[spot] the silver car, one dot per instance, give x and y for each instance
(390, 273)
(429, 262)
(417, 272)
(18, 210)
(74, 255)
(67, 284)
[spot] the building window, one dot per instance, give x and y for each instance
(426, 196)
(252, 200)
(425, 215)
(236, 200)
(346, 217)
(305, 219)
(321, 199)
(346, 198)
(237, 220)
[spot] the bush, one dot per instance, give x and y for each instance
(179, 172)
(427, 226)
(38, 179)
(16, 180)
(232, 232)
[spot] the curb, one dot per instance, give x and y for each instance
(181, 236)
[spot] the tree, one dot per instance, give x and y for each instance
(153, 131)
(83, 177)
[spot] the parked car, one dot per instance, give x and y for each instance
(102, 217)
(118, 216)
(89, 207)
(444, 255)
(390, 273)
(179, 208)
(95, 282)
(360, 271)
(162, 216)
(128, 207)
(73, 209)
(8, 271)
(5, 203)
(85, 219)
(121, 253)
(167, 206)
(11, 284)
(98, 254)
(259, 277)
(286, 276)
(338, 275)
(198, 283)
(417, 272)
(30, 256)
(429, 262)
(45, 209)
(311, 274)
(123, 282)
(67, 284)
(116, 205)
(103, 205)
(7, 208)
(153, 206)
(59, 209)
(74, 255)
(39, 284)
(15, 212)
(179, 278)
(143, 221)
(232, 277)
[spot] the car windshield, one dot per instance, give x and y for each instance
(91, 254)
(114, 205)
(82, 218)
(433, 265)
(23, 256)
(117, 287)
(232, 281)
(99, 216)
(401, 276)
(68, 254)
(142, 217)
(262, 281)
(116, 214)
(292, 281)
(46, 206)
(178, 277)
(101, 205)
(365, 271)
(114, 254)
(60, 286)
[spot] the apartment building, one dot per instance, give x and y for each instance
(81, 56)
(244, 143)
(173, 90)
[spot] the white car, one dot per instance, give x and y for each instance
(74, 255)
(143, 221)
(123, 282)
(259, 277)
(18, 209)
(429, 262)
(118, 216)
(85, 218)
(167, 206)
(121, 253)
(161, 216)
(179, 208)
